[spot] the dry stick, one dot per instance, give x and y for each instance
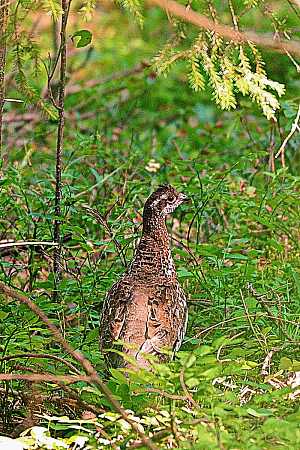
(5, 4)
(262, 40)
(3, 17)
(190, 397)
(197, 264)
(60, 136)
(159, 436)
(17, 244)
(295, 126)
(44, 377)
(79, 357)
(298, 3)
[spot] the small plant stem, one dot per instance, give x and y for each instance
(3, 17)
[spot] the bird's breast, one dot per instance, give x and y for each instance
(153, 263)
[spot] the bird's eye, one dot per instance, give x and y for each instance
(170, 198)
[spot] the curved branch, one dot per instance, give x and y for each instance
(261, 40)
(93, 377)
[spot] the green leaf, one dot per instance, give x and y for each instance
(262, 412)
(93, 334)
(85, 38)
(3, 315)
(118, 376)
(285, 363)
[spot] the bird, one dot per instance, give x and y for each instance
(146, 307)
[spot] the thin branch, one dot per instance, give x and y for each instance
(41, 355)
(233, 319)
(6, 3)
(60, 137)
(163, 393)
(44, 377)
(17, 244)
(262, 40)
(187, 394)
(298, 3)
(13, 100)
(295, 126)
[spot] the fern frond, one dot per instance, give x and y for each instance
(196, 79)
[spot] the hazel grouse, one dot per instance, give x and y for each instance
(146, 307)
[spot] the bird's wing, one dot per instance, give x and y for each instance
(149, 318)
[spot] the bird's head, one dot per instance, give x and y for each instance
(164, 201)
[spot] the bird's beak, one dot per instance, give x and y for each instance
(184, 198)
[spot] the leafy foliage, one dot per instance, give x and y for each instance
(223, 65)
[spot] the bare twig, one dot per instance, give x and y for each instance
(159, 436)
(44, 377)
(13, 100)
(261, 298)
(21, 243)
(298, 3)
(233, 319)
(60, 136)
(295, 126)
(185, 389)
(266, 363)
(41, 355)
(163, 393)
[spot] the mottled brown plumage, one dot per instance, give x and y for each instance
(146, 307)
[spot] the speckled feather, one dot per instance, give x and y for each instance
(146, 307)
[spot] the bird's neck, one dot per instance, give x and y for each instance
(154, 255)
(155, 230)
